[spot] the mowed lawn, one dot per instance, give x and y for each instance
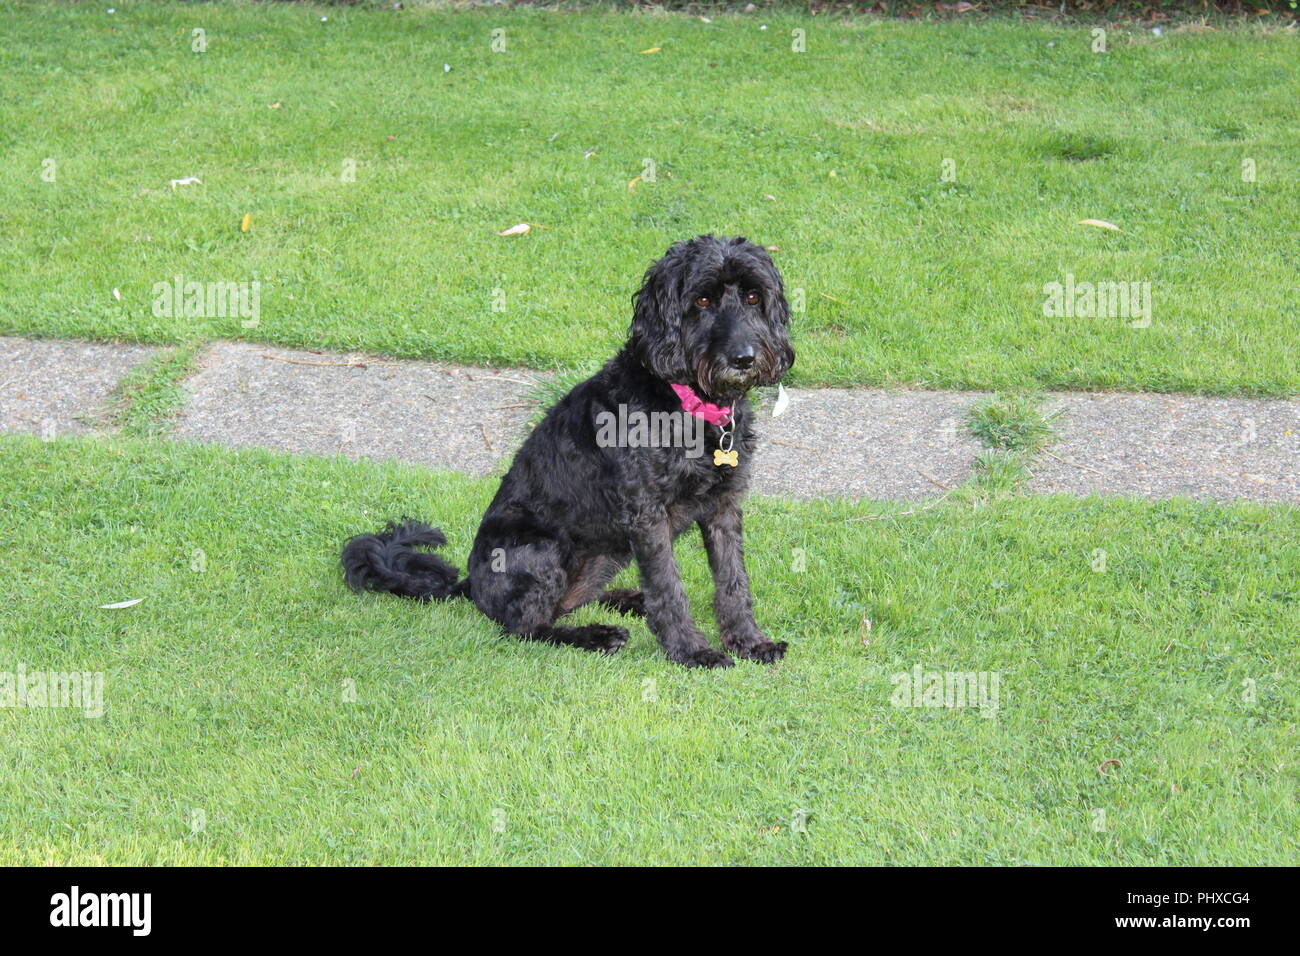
(256, 711)
(380, 152)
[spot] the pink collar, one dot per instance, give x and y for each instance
(713, 414)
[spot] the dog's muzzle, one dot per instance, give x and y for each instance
(732, 374)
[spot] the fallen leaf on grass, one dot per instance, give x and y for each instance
(516, 230)
(864, 632)
(1100, 224)
(1112, 762)
(120, 604)
(246, 223)
(186, 181)
(653, 49)
(632, 185)
(273, 106)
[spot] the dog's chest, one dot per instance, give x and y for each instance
(696, 493)
(722, 468)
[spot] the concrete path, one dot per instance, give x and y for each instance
(888, 444)
(866, 443)
(1156, 446)
(52, 387)
(441, 416)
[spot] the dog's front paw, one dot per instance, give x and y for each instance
(703, 657)
(754, 645)
(764, 651)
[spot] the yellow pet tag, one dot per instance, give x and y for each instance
(724, 454)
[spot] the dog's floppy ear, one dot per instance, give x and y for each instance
(656, 336)
(775, 306)
(776, 311)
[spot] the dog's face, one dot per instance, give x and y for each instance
(712, 314)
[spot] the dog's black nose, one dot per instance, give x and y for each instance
(743, 358)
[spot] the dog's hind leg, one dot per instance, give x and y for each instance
(521, 589)
(587, 584)
(630, 601)
(605, 638)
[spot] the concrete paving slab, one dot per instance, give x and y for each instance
(54, 387)
(1159, 446)
(866, 443)
(441, 416)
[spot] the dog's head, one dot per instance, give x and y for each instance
(712, 314)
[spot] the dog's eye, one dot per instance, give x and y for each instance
(703, 301)
(752, 297)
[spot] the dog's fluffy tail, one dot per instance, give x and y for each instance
(389, 561)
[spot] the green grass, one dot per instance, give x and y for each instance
(224, 689)
(905, 277)
(1011, 422)
(1013, 429)
(147, 399)
(997, 473)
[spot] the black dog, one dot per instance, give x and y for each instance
(710, 322)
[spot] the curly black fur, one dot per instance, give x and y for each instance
(388, 561)
(571, 512)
